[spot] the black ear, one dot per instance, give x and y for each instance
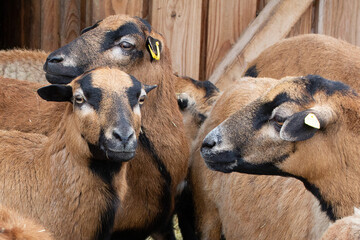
(148, 88)
(89, 28)
(154, 47)
(56, 93)
(295, 129)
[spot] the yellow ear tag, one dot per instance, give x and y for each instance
(312, 121)
(155, 56)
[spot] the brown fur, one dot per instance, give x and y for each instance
(347, 228)
(326, 160)
(15, 227)
(249, 207)
(306, 54)
(23, 64)
(141, 193)
(49, 179)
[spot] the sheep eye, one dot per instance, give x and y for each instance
(126, 45)
(278, 122)
(142, 99)
(79, 99)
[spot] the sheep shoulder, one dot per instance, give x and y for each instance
(15, 227)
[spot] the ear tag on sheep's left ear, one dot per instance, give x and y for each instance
(312, 121)
(154, 48)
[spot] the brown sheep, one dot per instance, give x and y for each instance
(23, 64)
(125, 42)
(306, 54)
(304, 127)
(67, 180)
(232, 204)
(15, 227)
(347, 228)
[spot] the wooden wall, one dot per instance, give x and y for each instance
(199, 32)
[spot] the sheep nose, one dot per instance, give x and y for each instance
(55, 59)
(212, 140)
(122, 136)
(208, 143)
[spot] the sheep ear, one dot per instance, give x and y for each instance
(154, 47)
(300, 126)
(148, 88)
(56, 93)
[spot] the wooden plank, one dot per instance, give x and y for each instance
(226, 22)
(272, 24)
(180, 24)
(340, 19)
(70, 20)
(50, 24)
(104, 8)
(305, 23)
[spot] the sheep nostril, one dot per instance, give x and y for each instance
(208, 143)
(55, 59)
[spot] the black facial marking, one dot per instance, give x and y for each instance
(146, 23)
(201, 118)
(133, 92)
(316, 83)
(90, 28)
(92, 94)
(264, 111)
(251, 72)
(126, 29)
(209, 87)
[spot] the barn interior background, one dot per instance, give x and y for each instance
(208, 39)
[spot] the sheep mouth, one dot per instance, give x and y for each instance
(59, 79)
(221, 161)
(119, 156)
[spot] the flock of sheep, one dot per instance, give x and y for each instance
(122, 144)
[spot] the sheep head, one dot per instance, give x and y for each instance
(106, 111)
(287, 130)
(128, 43)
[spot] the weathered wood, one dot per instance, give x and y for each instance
(180, 23)
(340, 19)
(70, 20)
(50, 24)
(104, 8)
(305, 23)
(34, 25)
(272, 24)
(226, 22)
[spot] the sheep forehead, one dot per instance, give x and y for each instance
(115, 21)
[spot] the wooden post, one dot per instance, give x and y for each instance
(272, 24)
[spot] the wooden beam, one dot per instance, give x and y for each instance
(272, 24)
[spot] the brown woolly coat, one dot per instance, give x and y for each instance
(23, 64)
(245, 206)
(15, 227)
(318, 54)
(148, 184)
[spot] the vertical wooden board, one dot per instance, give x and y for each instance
(304, 25)
(180, 23)
(104, 8)
(70, 20)
(226, 21)
(340, 19)
(50, 24)
(34, 40)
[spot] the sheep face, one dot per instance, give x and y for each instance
(195, 99)
(106, 111)
(118, 40)
(286, 124)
